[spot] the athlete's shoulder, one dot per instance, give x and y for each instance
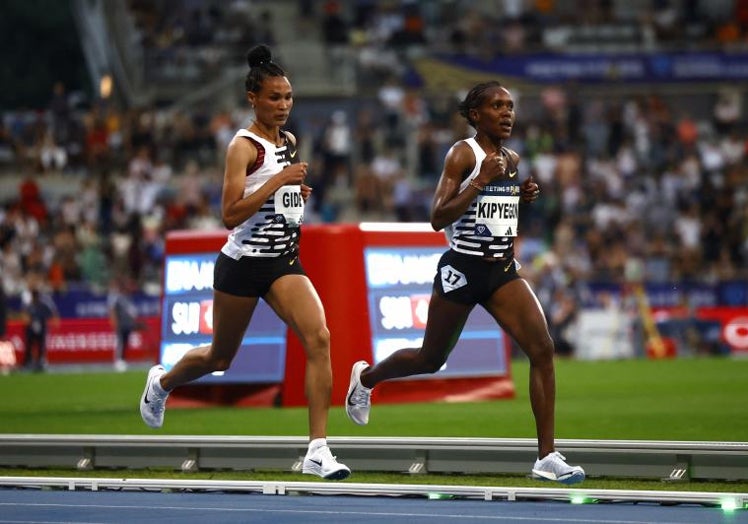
(460, 159)
(461, 150)
(289, 136)
(512, 155)
(243, 136)
(242, 146)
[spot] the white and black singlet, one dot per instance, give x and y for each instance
(274, 230)
(488, 227)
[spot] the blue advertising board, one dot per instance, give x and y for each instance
(660, 67)
(399, 283)
(187, 322)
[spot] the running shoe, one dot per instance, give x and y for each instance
(322, 463)
(554, 467)
(153, 404)
(358, 400)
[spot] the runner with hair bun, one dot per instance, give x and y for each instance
(263, 205)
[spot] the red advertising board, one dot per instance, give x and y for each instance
(89, 341)
(733, 323)
(375, 282)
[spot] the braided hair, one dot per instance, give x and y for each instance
(475, 98)
(261, 66)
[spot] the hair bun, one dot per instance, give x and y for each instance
(258, 55)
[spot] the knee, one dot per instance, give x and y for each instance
(317, 342)
(541, 352)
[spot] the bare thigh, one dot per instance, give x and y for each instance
(446, 319)
(295, 300)
(517, 310)
(231, 316)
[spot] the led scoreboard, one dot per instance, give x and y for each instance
(375, 282)
(187, 322)
(399, 281)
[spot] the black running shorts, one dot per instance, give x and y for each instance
(468, 279)
(252, 276)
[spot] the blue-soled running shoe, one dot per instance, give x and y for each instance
(554, 467)
(322, 463)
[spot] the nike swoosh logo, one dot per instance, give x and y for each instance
(293, 154)
(512, 174)
(348, 399)
(146, 400)
(318, 462)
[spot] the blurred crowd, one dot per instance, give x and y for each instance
(189, 41)
(385, 31)
(634, 186)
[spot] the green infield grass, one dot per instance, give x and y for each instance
(696, 399)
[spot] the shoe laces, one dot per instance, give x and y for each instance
(557, 454)
(158, 403)
(360, 395)
(558, 462)
(324, 454)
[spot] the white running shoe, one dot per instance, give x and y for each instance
(152, 404)
(322, 463)
(358, 400)
(554, 467)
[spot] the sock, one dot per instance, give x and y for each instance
(362, 382)
(317, 443)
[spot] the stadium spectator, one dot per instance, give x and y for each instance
(337, 144)
(52, 156)
(123, 315)
(365, 134)
(96, 141)
(38, 315)
(335, 31)
(263, 205)
(64, 267)
(387, 167)
(3, 313)
(7, 147)
(480, 268)
(33, 209)
(59, 108)
(728, 109)
(369, 194)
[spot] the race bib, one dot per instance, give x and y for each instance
(496, 216)
(452, 279)
(290, 204)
